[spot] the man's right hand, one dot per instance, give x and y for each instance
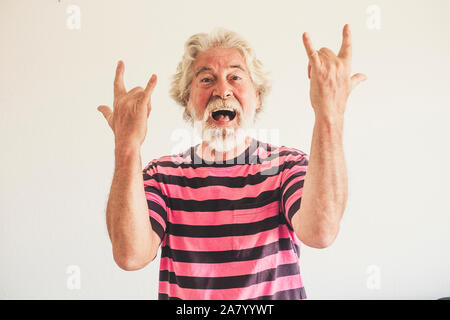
(131, 109)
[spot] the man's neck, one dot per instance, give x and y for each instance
(211, 155)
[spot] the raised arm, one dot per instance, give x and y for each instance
(324, 196)
(134, 243)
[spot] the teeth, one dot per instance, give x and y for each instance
(224, 118)
(223, 115)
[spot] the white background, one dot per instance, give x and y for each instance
(57, 150)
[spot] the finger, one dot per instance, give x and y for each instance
(149, 89)
(107, 113)
(119, 86)
(138, 99)
(357, 78)
(133, 91)
(327, 52)
(105, 110)
(135, 98)
(312, 54)
(346, 48)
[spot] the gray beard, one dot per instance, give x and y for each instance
(223, 139)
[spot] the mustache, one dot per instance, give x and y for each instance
(218, 103)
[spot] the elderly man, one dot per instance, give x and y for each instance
(231, 212)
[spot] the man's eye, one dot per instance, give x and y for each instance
(207, 80)
(235, 78)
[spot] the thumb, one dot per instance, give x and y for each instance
(149, 89)
(357, 78)
(107, 113)
(148, 92)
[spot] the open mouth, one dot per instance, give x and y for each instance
(223, 115)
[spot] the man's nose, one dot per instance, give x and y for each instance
(222, 89)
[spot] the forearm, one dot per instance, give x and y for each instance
(325, 187)
(127, 211)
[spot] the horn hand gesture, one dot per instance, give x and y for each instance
(131, 109)
(330, 78)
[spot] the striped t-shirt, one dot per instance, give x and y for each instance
(225, 228)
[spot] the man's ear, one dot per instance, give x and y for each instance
(258, 97)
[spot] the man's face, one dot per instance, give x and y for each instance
(222, 98)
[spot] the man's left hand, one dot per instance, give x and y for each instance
(331, 83)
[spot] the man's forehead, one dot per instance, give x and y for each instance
(207, 68)
(228, 58)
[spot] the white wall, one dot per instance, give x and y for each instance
(57, 150)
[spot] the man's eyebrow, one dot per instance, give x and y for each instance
(238, 66)
(202, 69)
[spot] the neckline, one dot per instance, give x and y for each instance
(242, 158)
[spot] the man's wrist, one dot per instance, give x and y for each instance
(124, 152)
(330, 119)
(124, 147)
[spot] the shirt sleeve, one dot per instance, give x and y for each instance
(292, 184)
(156, 201)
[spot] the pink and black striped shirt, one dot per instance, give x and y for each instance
(225, 228)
